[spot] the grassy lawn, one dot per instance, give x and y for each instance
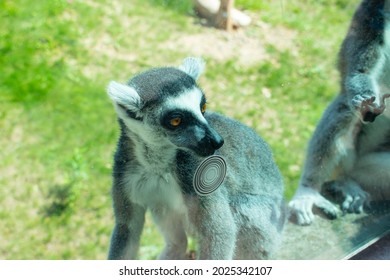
(58, 128)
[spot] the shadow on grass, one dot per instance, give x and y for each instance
(60, 200)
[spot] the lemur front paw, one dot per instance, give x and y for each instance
(302, 204)
(368, 105)
(349, 195)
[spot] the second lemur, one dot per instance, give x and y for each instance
(349, 152)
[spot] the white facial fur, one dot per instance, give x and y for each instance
(189, 100)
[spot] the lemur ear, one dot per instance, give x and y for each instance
(124, 97)
(193, 66)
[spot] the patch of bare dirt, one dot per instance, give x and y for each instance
(246, 46)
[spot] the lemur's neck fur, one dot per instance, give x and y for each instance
(153, 181)
(156, 157)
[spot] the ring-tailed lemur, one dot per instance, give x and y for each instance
(349, 152)
(165, 133)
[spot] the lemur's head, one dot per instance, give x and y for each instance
(166, 106)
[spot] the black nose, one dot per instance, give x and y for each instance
(217, 141)
(210, 143)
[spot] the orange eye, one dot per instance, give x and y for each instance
(203, 109)
(175, 121)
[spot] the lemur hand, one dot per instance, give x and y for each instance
(368, 107)
(349, 194)
(302, 204)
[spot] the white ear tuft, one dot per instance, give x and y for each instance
(124, 95)
(193, 66)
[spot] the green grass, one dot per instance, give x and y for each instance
(58, 128)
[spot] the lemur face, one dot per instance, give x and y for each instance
(165, 105)
(185, 125)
